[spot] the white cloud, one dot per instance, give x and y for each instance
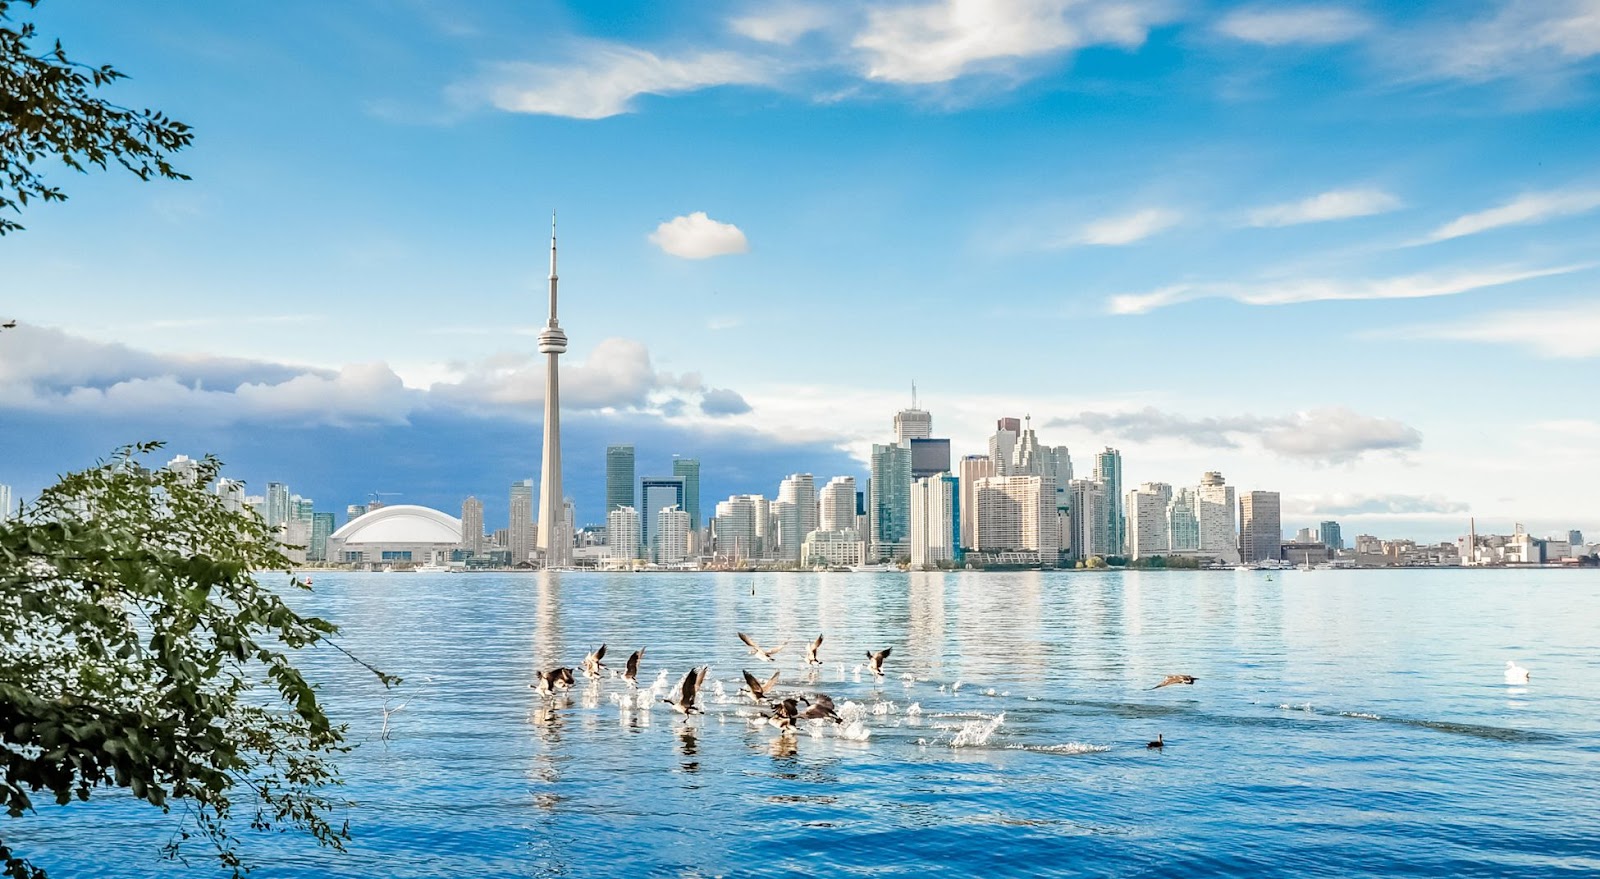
(697, 236)
(608, 79)
(1287, 25)
(1126, 228)
(783, 23)
(1519, 39)
(1567, 332)
(1417, 286)
(1534, 207)
(1328, 435)
(1338, 204)
(1359, 505)
(933, 42)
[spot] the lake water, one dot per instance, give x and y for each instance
(1344, 724)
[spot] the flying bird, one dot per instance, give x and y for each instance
(1158, 744)
(8, 325)
(757, 688)
(688, 688)
(1515, 674)
(630, 672)
(784, 713)
(548, 683)
(592, 665)
(758, 652)
(875, 660)
(819, 707)
(1175, 679)
(811, 652)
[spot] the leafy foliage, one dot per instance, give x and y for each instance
(139, 650)
(47, 108)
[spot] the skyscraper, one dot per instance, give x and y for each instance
(1108, 472)
(935, 520)
(1148, 534)
(734, 528)
(656, 493)
(619, 478)
(1087, 498)
(838, 505)
(1214, 510)
(1260, 527)
(929, 456)
(232, 493)
(689, 470)
(1017, 513)
(1183, 522)
(670, 536)
(913, 423)
(553, 536)
(622, 533)
(521, 537)
(1003, 444)
(321, 527)
(6, 511)
(472, 526)
(1328, 533)
(277, 511)
(797, 512)
(889, 504)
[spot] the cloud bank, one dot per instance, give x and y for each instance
(1332, 435)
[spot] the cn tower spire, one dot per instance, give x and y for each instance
(552, 268)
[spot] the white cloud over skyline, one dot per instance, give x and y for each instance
(697, 236)
(607, 79)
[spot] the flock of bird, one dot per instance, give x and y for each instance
(779, 710)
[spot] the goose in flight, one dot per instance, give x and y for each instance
(757, 688)
(819, 706)
(1158, 744)
(686, 691)
(630, 672)
(875, 660)
(1515, 674)
(783, 713)
(548, 683)
(592, 666)
(1175, 679)
(811, 652)
(758, 651)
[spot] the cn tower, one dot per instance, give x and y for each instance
(553, 537)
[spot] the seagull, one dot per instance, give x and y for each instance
(687, 689)
(1158, 744)
(1175, 679)
(630, 672)
(549, 682)
(757, 651)
(875, 660)
(811, 652)
(756, 687)
(1515, 674)
(820, 706)
(592, 664)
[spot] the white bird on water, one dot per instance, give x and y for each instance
(1515, 674)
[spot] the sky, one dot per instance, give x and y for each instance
(1343, 251)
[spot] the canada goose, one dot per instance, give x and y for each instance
(1175, 679)
(1158, 744)
(548, 683)
(592, 666)
(758, 651)
(757, 688)
(811, 652)
(687, 689)
(819, 706)
(630, 672)
(875, 660)
(783, 713)
(1515, 674)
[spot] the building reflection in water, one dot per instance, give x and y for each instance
(925, 636)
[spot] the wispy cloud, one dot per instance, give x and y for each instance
(1518, 39)
(1123, 228)
(697, 236)
(1328, 435)
(1417, 286)
(783, 22)
(608, 78)
(1562, 332)
(1533, 207)
(1338, 204)
(1294, 25)
(1358, 505)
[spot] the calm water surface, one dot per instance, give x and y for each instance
(1344, 724)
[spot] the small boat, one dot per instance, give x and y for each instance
(431, 569)
(875, 568)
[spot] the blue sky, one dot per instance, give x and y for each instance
(1343, 251)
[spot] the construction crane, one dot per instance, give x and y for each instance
(375, 499)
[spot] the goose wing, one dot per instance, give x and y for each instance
(771, 682)
(633, 662)
(685, 688)
(600, 654)
(752, 684)
(746, 639)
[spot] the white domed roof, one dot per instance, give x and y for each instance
(401, 523)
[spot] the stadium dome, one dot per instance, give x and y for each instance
(403, 533)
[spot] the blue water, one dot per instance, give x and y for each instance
(1344, 724)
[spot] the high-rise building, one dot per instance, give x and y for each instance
(1017, 513)
(929, 457)
(619, 478)
(1214, 509)
(521, 537)
(1305, 535)
(1148, 534)
(1260, 527)
(185, 466)
(1108, 472)
(935, 520)
(972, 469)
(670, 537)
(797, 512)
(354, 512)
(322, 527)
(889, 503)
(689, 470)
(622, 533)
(655, 494)
(1087, 516)
(1328, 533)
(232, 493)
(1183, 522)
(734, 528)
(301, 509)
(1003, 444)
(910, 424)
(472, 526)
(1575, 538)
(838, 505)
(277, 510)
(1027, 458)
(6, 510)
(554, 536)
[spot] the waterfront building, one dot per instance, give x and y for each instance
(1003, 444)
(1183, 522)
(734, 530)
(797, 513)
(1260, 527)
(620, 478)
(1148, 532)
(554, 534)
(1215, 507)
(929, 457)
(935, 521)
(889, 504)
(322, 527)
(1087, 517)
(521, 538)
(671, 536)
(837, 507)
(1108, 472)
(972, 469)
(688, 469)
(472, 526)
(622, 533)
(1016, 514)
(655, 494)
(833, 548)
(277, 506)
(403, 534)
(1328, 532)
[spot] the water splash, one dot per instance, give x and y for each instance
(914, 709)
(853, 731)
(976, 732)
(1063, 748)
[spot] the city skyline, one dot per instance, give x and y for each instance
(1150, 204)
